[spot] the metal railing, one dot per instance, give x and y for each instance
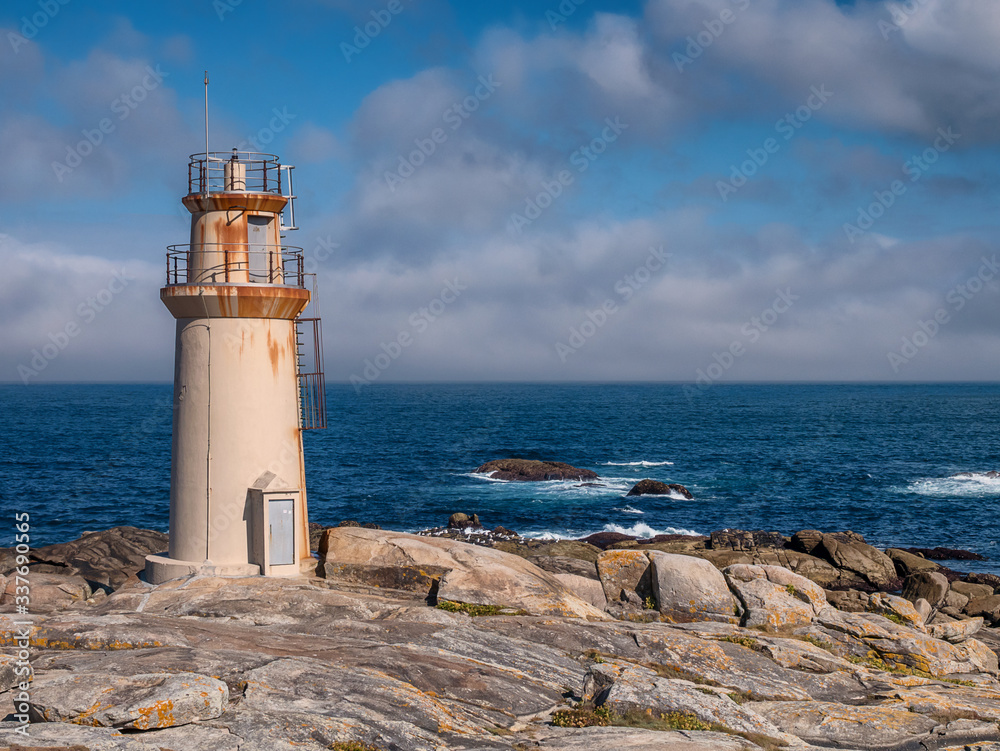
(247, 171)
(235, 263)
(312, 380)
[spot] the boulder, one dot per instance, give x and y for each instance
(623, 572)
(774, 598)
(871, 565)
(955, 600)
(896, 608)
(929, 585)
(108, 557)
(972, 591)
(741, 539)
(848, 600)
(472, 574)
(907, 563)
(138, 702)
(806, 540)
(529, 470)
(688, 589)
(987, 607)
(458, 520)
(655, 487)
(989, 580)
(584, 587)
(955, 631)
(50, 592)
(946, 554)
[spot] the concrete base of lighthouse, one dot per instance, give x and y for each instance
(161, 568)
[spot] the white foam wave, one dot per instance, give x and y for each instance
(630, 510)
(488, 476)
(963, 485)
(641, 529)
(636, 464)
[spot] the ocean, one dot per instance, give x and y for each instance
(877, 459)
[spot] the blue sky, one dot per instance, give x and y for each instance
(750, 141)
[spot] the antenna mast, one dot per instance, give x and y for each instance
(205, 183)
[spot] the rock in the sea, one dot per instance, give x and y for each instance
(689, 589)
(473, 574)
(458, 520)
(530, 470)
(774, 598)
(929, 585)
(946, 554)
(655, 487)
(139, 702)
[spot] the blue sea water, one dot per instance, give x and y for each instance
(877, 459)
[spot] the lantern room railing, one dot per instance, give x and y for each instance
(234, 171)
(235, 263)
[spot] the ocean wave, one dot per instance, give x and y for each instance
(488, 476)
(629, 510)
(962, 485)
(641, 529)
(636, 464)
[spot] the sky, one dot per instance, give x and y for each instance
(697, 191)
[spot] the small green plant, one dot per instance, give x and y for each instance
(817, 643)
(897, 619)
(744, 641)
(582, 717)
(649, 604)
(790, 588)
(477, 610)
(353, 746)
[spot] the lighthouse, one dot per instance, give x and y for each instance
(248, 376)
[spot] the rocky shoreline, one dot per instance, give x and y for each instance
(470, 638)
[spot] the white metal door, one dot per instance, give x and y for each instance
(258, 230)
(281, 520)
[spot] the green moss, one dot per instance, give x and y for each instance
(790, 588)
(744, 641)
(477, 610)
(353, 746)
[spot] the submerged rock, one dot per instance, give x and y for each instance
(530, 470)
(655, 487)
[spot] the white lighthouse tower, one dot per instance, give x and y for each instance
(247, 376)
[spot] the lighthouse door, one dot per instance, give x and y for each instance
(280, 518)
(261, 263)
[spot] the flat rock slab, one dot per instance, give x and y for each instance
(140, 702)
(636, 688)
(632, 739)
(530, 470)
(61, 735)
(398, 711)
(842, 726)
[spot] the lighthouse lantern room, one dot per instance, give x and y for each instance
(248, 376)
